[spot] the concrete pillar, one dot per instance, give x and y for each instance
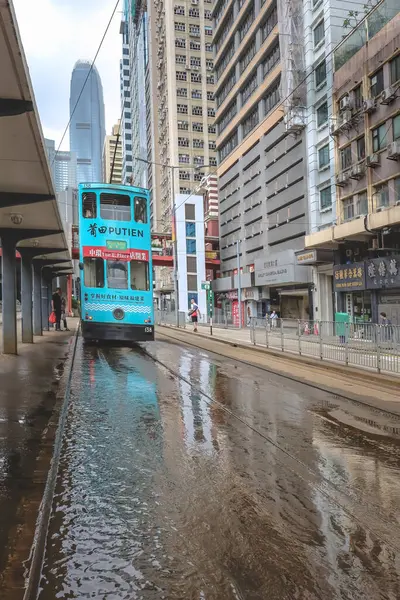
(50, 293)
(37, 298)
(45, 304)
(9, 296)
(26, 297)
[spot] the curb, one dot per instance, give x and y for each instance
(382, 406)
(57, 422)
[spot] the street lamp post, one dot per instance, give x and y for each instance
(239, 286)
(175, 246)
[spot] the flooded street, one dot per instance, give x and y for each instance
(184, 475)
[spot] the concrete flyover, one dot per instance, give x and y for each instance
(30, 221)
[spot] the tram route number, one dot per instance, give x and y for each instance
(148, 330)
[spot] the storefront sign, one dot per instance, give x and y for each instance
(349, 278)
(251, 294)
(315, 256)
(383, 273)
(235, 313)
(306, 258)
(280, 268)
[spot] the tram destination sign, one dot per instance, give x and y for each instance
(121, 255)
(116, 245)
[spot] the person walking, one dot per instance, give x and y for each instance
(194, 313)
(64, 313)
(56, 305)
(274, 319)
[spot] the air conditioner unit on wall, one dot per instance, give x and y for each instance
(373, 160)
(393, 150)
(357, 171)
(369, 105)
(342, 178)
(388, 95)
(345, 103)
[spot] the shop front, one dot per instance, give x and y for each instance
(366, 289)
(288, 283)
(321, 262)
(383, 283)
(350, 286)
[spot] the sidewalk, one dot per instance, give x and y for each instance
(28, 400)
(376, 390)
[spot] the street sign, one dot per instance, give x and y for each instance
(210, 301)
(206, 285)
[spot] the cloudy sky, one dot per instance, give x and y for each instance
(55, 34)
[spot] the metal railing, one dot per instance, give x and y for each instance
(363, 345)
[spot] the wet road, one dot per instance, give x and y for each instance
(191, 477)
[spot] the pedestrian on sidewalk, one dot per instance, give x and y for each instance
(274, 319)
(57, 309)
(64, 313)
(194, 313)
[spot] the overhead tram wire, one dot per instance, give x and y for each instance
(281, 103)
(87, 78)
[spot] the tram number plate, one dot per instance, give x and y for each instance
(148, 330)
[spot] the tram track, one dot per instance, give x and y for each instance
(383, 529)
(326, 389)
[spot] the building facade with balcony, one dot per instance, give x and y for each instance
(262, 152)
(366, 131)
(181, 106)
(323, 29)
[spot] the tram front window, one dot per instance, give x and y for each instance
(117, 275)
(140, 275)
(93, 272)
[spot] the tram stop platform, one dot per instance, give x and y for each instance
(29, 398)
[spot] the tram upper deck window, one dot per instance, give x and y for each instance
(89, 205)
(93, 272)
(115, 207)
(140, 275)
(117, 275)
(140, 210)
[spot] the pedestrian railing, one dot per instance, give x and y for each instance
(365, 345)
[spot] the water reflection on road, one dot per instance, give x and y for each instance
(224, 483)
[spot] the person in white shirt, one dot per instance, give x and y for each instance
(194, 313)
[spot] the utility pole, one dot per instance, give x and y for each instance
(239, 287)
(175, 247)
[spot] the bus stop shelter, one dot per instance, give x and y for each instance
(30, 220)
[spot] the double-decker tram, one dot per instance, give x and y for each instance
(115, 263)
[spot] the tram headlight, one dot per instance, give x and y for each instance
(118, 314)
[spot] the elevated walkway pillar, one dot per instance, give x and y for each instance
(8, 243)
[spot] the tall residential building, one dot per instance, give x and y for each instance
(87, 127)
(112, 156)
(365, 237)
(262, 157)
(126, 95)
(181, 107)
(138, 59)
(62, 166)
(323, 29)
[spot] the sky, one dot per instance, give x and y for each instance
(57, 33)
